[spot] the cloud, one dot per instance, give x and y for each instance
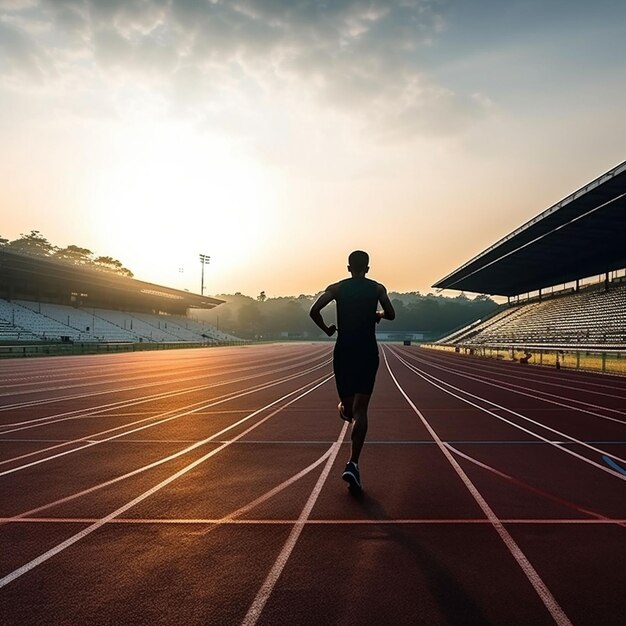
(20, 55)
(360, 58)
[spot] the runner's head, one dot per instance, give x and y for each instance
(358, 262)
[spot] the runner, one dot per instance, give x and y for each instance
(355, 358)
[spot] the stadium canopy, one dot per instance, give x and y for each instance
(582, 235)
(33, 277)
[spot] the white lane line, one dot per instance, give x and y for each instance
(103, 408)
(42, 558)
(291, 442)
(427, 377)
(540, 492)
(534, 394)
(531, 573)
(183, 372)
(527, 377)
(280, 364)
(161, 373)
(513, 388)
(177, 413)
(232, 517)
(139, 470)
(114, 378)
(262, 596)
(313, 522)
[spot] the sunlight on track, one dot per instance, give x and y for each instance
(87, 531)
(272, 493)
(154, 420)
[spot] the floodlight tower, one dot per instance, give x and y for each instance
(205, 259)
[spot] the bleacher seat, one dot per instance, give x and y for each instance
(591, 317)
(22, 320)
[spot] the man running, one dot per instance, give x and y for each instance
(355, 358)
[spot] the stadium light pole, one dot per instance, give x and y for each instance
(205, 259)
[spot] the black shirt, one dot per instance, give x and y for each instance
(357, 301)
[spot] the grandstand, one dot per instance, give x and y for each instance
(563, 274)
(45, 300)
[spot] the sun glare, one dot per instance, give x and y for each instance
(183, 192)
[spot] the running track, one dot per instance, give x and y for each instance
(203, 487)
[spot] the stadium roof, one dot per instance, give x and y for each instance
(582, 235)
(41, 273)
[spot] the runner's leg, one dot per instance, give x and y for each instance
(359, 427)
(348, 402)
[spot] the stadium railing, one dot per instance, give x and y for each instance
(61, 349)
(604, 359)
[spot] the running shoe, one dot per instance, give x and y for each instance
(351, 476)
(342, 413)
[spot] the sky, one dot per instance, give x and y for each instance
(278, 136)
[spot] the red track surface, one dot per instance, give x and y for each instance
(203, 487)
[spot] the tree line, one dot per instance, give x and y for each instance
(272, 318)
(35, 243)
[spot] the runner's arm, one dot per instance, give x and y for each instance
(316, 310)
(388, 312)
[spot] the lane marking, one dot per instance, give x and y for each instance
(392, 442)
(177, 413)
(262, 596)
(531, 573)
(427, 377)
(509, 387)
(540, 374)
(162, 372)
(171, 457)
(42, 558)
(104, 408)
(466, 367)
(524, 485)
(313, 522)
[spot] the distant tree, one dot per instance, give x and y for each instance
(245, 316)
(3, 240)
(261, 297)
(293, 317)
(250, 320)
(33, 243)
(112, 265)
(74, 254)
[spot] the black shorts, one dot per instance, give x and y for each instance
(355, 371)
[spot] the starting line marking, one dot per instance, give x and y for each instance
(309, 522)
(402, 442)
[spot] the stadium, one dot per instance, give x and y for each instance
(563, 275)
(202, 486)
(45, 302)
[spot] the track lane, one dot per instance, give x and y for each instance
(544, 593)
(45, 556)
(217, 372)
(580, 382)
(415, 549)
(97, 438)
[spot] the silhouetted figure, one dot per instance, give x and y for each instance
(355, 358)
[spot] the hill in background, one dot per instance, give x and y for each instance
(275, 318)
